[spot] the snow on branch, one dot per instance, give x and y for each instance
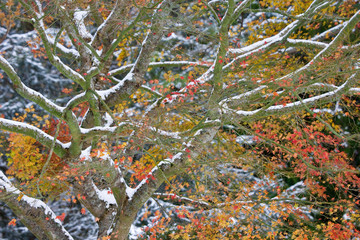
(262, 45)
(134, 79)
(64, 51)
(170, 166)
(55, 60)
(109, 23)
(306, 43)
(311, 101)
(205, 77)
(79, 17)
(103, 131)
(27, 92)
(33, 213)
(242, 6)
(123, 87)
(329, 32)
(34, 132)
(348, 26)
(102, 203)
(238, 99)
(270, 41)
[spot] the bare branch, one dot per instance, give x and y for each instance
(159, 64)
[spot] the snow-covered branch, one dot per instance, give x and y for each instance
(79, 17)
(110, 24)
(64, 51)
(134, 78)
(34, 132)
(170, 166)
(33, 213)
(269, 42)
(55, 60)
(345, 88)
(241, 7)
(27, 92)
(262, 45)
(348, 26)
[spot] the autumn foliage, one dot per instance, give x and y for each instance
(237, 119)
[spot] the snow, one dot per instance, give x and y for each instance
(318, 8)
(241, 5)
(135, 232)
(85, 154)
(303, 41)
(105, 93)
(131, 191)
(325, 33)
(331, 111)
(103, 25)
(243, 95)
(39, 95)
(150, 90)
(320, 54)
(295, 190)
(62, 48)
(260, 45)
(79, 17)
(174, 135)
(171, 195)
(29, 91)
(105, 195)
(69, 70)
(108, 120)
(245, 139)
(80, 95)
(6, 184)
(104, 129)
(293, 104)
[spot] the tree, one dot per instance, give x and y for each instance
(127, 128)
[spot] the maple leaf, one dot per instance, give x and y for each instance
(12, 222)
(61, 217)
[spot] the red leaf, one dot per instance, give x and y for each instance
(61, 217)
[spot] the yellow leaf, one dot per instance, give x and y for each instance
(20, 197)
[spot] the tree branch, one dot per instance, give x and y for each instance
(134, 78)
(159, 64)
(295, 106)
(55, 60)
(27, 92)
(13, 126)
(33, 213)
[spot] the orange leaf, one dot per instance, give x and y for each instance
(12, 222)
